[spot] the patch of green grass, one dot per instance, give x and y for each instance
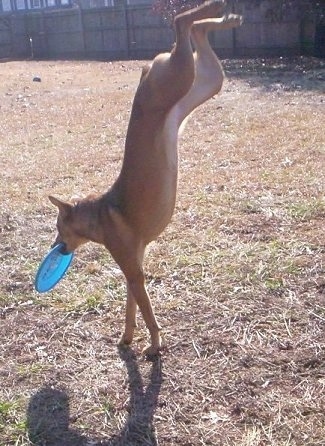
(6, 409)
(250, 207)
(28, 370)
(108, 409)
(93, 302)
(12, 425)
(86, 302)
(307, 210)
(274, 283)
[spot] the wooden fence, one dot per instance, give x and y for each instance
(135, 32)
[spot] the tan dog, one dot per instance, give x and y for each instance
(141, 202)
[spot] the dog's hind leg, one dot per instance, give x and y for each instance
(171, 74)
(209, 75)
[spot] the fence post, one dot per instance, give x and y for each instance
(127, 26)
(82, 30)
(234, 33)
(11, 30)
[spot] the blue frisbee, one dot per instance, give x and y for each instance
(52, 268)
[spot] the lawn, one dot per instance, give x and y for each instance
(237, 279)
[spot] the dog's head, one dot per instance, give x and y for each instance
(68, 225)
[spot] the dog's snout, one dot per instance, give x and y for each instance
(64, 250)
(57, 241)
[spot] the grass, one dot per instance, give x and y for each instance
(307, 210)
(237, 279)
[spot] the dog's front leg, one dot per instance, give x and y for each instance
(137, 289)
(130, 319)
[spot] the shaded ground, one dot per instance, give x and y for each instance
(281, 73)
(237, 279)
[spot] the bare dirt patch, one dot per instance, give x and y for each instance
(237, 279)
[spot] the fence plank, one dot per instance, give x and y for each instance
(5, 37)
(148, 34)
(105, 33)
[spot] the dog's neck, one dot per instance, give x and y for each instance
(87, 215)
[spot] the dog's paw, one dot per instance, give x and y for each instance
(234, 20)
(151, 352)
(125, 342)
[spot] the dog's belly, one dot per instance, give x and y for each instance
(147, 185)
(160, 209)
(149, 199)
(164, 176)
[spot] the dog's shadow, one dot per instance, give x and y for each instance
(48, 413)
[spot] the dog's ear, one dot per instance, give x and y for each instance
(64, 207)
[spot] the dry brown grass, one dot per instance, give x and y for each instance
(237, 279)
